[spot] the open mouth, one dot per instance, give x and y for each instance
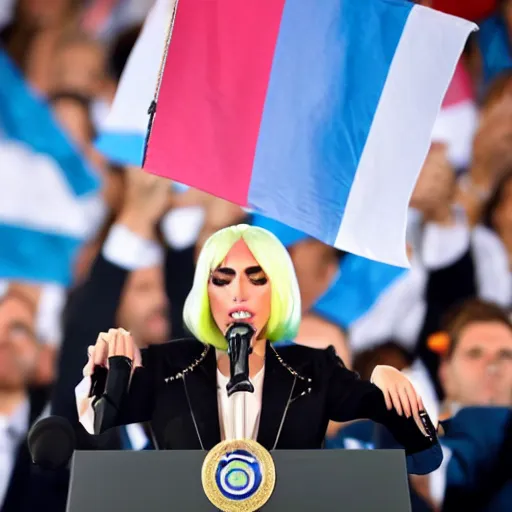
(240, 315)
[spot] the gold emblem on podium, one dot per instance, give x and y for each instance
(238, 475)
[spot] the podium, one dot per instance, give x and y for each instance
(163, 481)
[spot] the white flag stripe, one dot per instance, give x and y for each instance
(456, 126)
(137, 87)
(45, 204)
(419, 76)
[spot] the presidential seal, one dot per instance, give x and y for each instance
(238, 475)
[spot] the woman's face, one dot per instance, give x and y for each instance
(239, 291)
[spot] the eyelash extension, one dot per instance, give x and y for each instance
(260, 281)
(223, 282)
(219, 282)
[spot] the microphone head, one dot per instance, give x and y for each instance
(51, 442)
(240, 329)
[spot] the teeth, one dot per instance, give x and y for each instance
(239, 315)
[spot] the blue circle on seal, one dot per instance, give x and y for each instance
(238, 475)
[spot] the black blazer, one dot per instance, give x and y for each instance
(303, 388)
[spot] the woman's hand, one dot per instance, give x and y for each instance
(399, 393)
(117, 342)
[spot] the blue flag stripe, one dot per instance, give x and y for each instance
(37, 256)
(314, 131)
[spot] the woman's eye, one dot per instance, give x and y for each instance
(219, 282)
(260, 281)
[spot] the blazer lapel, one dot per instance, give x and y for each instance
(202, 390)
(278, 385)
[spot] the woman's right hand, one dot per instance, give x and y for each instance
(117, 342)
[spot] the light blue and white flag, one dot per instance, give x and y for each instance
(48, 193)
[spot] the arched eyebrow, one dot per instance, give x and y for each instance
(225, 270)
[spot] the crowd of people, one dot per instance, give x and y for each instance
(445, 322)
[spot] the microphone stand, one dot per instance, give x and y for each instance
(239, 455)
(239, 338)
(230, 456)
(238, 416)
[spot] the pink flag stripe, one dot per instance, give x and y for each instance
(212, 95)
(460, 89)
(457, 120)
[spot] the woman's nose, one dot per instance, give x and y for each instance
(238, 291)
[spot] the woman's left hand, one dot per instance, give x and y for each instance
(399, 393)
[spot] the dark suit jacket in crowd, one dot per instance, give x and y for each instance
(16, 497)
(479, 472)
(446, 288)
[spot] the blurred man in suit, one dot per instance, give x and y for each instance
(476, 374)
(20, 405)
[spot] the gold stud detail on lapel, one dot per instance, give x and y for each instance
(290, 369)
(189, 368)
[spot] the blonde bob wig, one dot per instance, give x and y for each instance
(273, 258)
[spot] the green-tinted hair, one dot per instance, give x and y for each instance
(273, 258)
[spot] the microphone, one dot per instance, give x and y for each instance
(51, 442)
(117, 380)
(239, 337)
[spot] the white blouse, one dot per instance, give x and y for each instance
(251, 403)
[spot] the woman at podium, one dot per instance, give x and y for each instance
(244, 277)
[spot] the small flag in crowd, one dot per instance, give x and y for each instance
(47, 189)
(316, 114)
(456, 124)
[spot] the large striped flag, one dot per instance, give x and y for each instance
(47, 191)
(316, 114)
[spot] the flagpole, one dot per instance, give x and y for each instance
(152, 107)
